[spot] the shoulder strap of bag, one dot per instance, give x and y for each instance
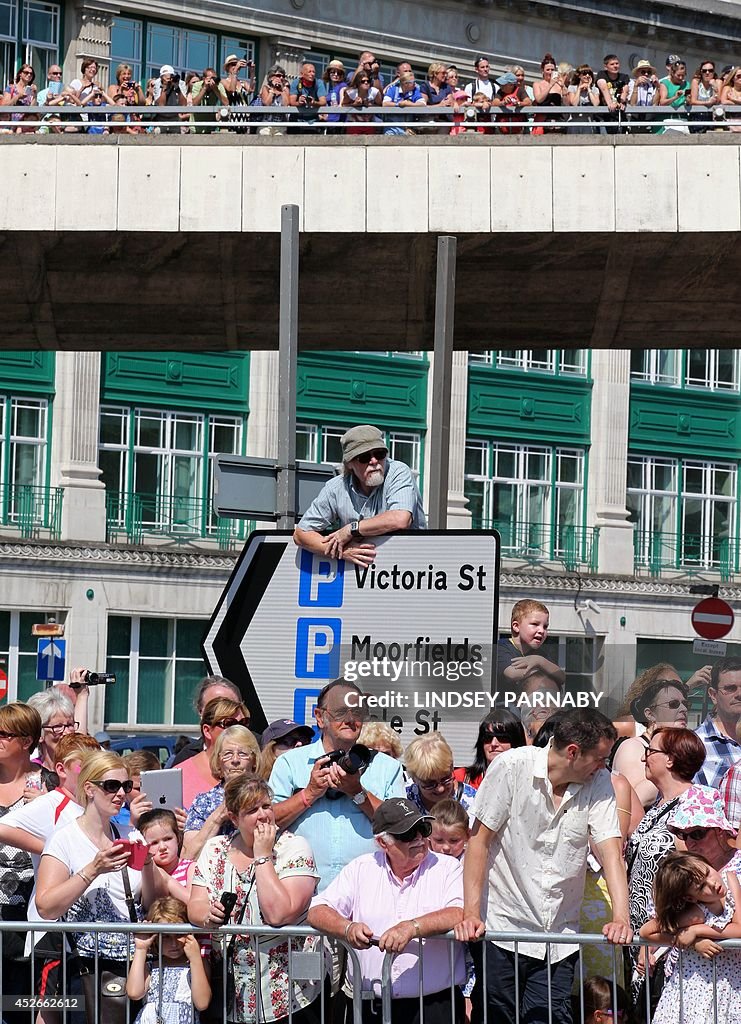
(669, 807)
(128, 896)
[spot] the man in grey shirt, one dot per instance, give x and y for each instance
(375, 495)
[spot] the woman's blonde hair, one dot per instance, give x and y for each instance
(120, 70)
(223, 707)
(435, 68)
(21, 720)
(374, 733)
(234, 734)
(94, 766)
(246, 790)
(428, 757)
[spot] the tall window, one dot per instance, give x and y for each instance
(164, 461)
(126, 46)
(186, 49)
(533, 495)
(322, 444)
(569, 362)
(685, 511)
(712, 369)
(157, 663)
(39, 25)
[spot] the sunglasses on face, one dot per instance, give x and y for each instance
(112, 786)
(9, 736)
(435, 783)
(673, 704)
(225, 723)
(494, 734)
(379, 454)
(422, 828)
(695, 834)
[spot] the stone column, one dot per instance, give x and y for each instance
(75, 446)
(88, 27)
(289, 53)
(608, 460)
(262, 426)
(459, 516)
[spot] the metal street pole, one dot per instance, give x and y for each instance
(287, 361)
(442, 372)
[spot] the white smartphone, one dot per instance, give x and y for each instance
(163, 787)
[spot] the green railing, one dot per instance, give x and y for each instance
(574, 546)
(133, 517)
(657, 551)
(32, 511)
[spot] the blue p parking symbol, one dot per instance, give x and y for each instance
(321, 581)
(318, 648)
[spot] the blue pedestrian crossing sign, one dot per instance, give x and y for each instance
(50, 659)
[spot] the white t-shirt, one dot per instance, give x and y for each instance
(40, 818)
(103, 900)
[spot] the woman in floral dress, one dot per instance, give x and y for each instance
(273, 880)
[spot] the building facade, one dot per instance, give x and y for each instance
(612, 478)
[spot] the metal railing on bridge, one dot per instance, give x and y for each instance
(369, 119)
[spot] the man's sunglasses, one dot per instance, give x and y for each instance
(379, 454)
(422, 828)
(112, 786)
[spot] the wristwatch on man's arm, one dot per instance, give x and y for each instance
(355, 529)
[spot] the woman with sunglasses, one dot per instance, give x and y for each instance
(234, 753)
(216, 716)
(21, 92)
(20, 778)
(83, 874)
(730, 96)
(704, 94)
(671, 760)
(279, 737)
(400, 894)
(499, 731)
(662, 702)
(429, 763)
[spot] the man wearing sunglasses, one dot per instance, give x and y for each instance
(386, 901)
(718, 731)
(535, 813)
(376, 495)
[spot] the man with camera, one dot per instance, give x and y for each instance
(169, 91)
(307, 93)
(330, 799)
(209, 92)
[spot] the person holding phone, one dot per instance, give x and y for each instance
(674, 92)
(268, 880)
(84, 874)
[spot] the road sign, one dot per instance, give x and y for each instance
(50, 659)
(47, 629)
(710, 648)
(3, 683)
(412, 629)
(712, 618)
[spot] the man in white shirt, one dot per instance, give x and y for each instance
(535, 812)
(482, 82)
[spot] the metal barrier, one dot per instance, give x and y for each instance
(311, 965)
(642, 120)
(69, 1004)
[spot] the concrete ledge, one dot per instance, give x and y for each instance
(371, 185)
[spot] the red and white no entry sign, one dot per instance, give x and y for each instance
(3, 683)
(712, 618)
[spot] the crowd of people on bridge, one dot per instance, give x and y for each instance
(353, 99)
(562, 822)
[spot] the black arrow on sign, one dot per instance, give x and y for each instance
(262, 561)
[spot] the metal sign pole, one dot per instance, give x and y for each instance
(287, 360)
(442, 373)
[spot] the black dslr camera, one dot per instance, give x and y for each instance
(353, 761)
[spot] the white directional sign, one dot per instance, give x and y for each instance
(415, 630)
